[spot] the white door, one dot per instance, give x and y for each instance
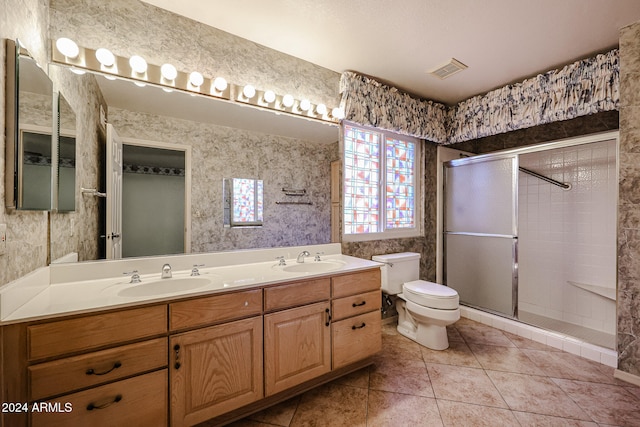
(114, 194)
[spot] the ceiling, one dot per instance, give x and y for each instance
(398, 42)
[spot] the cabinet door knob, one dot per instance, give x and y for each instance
(328, 313)
(176, 349)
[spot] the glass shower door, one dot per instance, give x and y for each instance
(480, 237)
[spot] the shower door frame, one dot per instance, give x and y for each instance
(514, 223)
(562, 143)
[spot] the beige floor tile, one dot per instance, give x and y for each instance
(332, 405)
(619, 408)
(529, 419)
(461, 384)
(540, 395)
(477, 333)
(458, 354)
(508, 359)
(569, 366)
(359, 378)
(395, 409)
(400, 379)
(457, 414)
(278, 415)
(453, 334)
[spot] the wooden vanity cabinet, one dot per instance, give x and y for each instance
(215, 369)
(356, 327)
(98, 370)
(297, 341)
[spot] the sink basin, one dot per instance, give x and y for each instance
(313, 267)
(164, 286)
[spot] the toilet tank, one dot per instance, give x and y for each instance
(398, 269)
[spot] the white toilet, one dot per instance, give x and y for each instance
(424, 308)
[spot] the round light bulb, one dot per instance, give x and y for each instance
(287, 101)
(196, 79)
(337, 113)
(138, 64)
(169, 72)
(220, 84)
(269, 96)
(321, 109)
(67, 47)
(305, 104)
(105, 57)
(249, 91)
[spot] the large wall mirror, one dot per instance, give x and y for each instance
(226, 139)
(30, 137)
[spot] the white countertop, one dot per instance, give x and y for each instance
(33, 299)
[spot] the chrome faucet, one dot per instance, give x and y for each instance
(166, 271)
(301, 256)
(135, 277)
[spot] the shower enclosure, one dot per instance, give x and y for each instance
(530, 234)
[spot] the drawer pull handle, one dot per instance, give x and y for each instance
(328, 317)
(93, 406)
(359, 305)
(176, 348)
(92, 371)
(359, 327)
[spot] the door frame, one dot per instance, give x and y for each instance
(186, 149)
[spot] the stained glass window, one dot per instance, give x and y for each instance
(380, 183)
(247, 201)
(400, 183)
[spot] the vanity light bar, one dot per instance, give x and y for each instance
(86, 60)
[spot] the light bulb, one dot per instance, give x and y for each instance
(169, 72)
(321, 109)
(140, 84)
(249, 91)
(67, 47)
(220, 84)
(287, 101)
(77, 71)
(110, 77)
(337, 113)
(269, 96)
(305, 104)
(196, 79)
(105, 57)
(138, 64)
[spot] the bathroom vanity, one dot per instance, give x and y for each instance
(183, 359)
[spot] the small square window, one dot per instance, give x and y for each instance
(243, 202)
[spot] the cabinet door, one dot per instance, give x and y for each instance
(215, 370)
(297, 346)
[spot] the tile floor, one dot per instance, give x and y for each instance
(487, 377)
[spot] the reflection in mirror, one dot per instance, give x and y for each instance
(243, 202)
(227, 140)
(29, 110)
(66, 200)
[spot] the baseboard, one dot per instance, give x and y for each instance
(627, 377)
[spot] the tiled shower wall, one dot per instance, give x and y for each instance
(569, 236)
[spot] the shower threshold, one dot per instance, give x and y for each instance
(591, 336)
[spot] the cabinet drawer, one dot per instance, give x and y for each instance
(356, 304)
(296, 294)
(214, 309)
(356, 338)
(138, 401)
(73, 373)
(91, 332)
(357, 283)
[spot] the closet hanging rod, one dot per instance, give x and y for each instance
(545, 178)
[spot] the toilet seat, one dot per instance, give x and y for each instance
(429, 294)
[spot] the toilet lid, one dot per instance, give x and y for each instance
(431, 294)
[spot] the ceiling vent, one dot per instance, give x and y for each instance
(449, 69)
